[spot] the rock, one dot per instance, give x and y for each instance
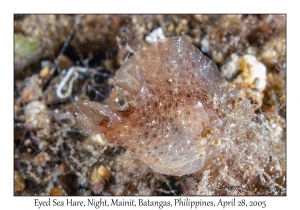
(19, 182)
(253, 72)
(155, 35)
(32, 91)
(44, 72)
(100, 173)
(26, 51)
(248, 74)
(41, 158)
(231, 68)
(36, 115)
(64, 63)
(55, 192)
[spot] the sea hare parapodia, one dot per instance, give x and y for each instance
(170, 89)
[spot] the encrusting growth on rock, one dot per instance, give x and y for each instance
(172, 108)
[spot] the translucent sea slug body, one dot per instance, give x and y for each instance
(167, 107)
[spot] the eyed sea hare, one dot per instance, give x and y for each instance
(171, 108)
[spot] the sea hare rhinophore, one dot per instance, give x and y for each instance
(171, 108)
